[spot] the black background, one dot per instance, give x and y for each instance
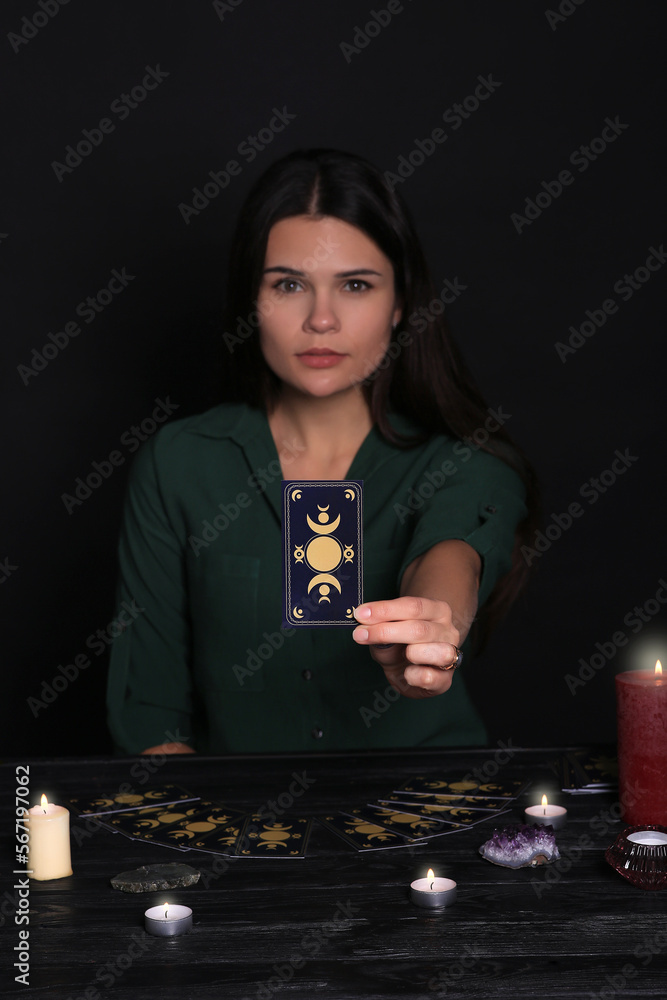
(161, 336)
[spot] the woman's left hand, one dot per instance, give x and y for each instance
(423, 642)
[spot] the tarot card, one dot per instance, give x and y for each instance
(417, 799)
(364, 835)
(99, 805)
(286, 837)
(322, 552)
(222, 840)
(464, 786)
(566, 774)
(418, 826)
(160, 824)
(214, 822)
(458, 816)
(595, 769)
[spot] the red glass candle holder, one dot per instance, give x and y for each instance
(639, 854)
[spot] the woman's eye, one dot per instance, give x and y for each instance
(288, 285)
(357, 285)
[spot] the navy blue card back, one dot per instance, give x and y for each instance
(322, 552)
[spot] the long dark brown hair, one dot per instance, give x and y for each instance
(423, 376)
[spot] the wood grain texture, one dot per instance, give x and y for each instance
(336, 922)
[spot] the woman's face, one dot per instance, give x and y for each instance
(327, 304)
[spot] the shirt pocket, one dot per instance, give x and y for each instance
(225, 623)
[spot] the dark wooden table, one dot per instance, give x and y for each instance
(268, 928)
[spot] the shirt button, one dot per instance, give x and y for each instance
(307, 674)
(317, 733)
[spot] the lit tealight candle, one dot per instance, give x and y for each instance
(432, 892)
(546, 815)
(48, 843)
(648, 838)
(168, 920)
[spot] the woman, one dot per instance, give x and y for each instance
(340, 366)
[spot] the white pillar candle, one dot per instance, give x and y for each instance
(48, 843)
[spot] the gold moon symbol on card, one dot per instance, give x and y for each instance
(324, 578)
(297, 612)
(349, 494)
(322, 529)
(296, 494)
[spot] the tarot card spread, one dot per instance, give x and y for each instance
(322, 552)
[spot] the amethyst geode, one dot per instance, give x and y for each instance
(521, 846)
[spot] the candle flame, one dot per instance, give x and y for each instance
(658, 668)
(430, 873)
(545, 801)
(166, 905)
(44, 803)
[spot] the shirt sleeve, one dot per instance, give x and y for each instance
(481, 502)
(149, 691)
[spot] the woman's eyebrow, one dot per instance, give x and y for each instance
(302, 274)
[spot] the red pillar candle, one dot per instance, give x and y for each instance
(641, 702)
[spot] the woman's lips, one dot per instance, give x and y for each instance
(319, 357)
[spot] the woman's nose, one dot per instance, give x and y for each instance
(322, 317)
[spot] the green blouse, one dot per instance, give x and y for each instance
(204, 658)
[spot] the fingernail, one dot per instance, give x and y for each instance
(360, 634)
(383, 645)
(362, 613)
